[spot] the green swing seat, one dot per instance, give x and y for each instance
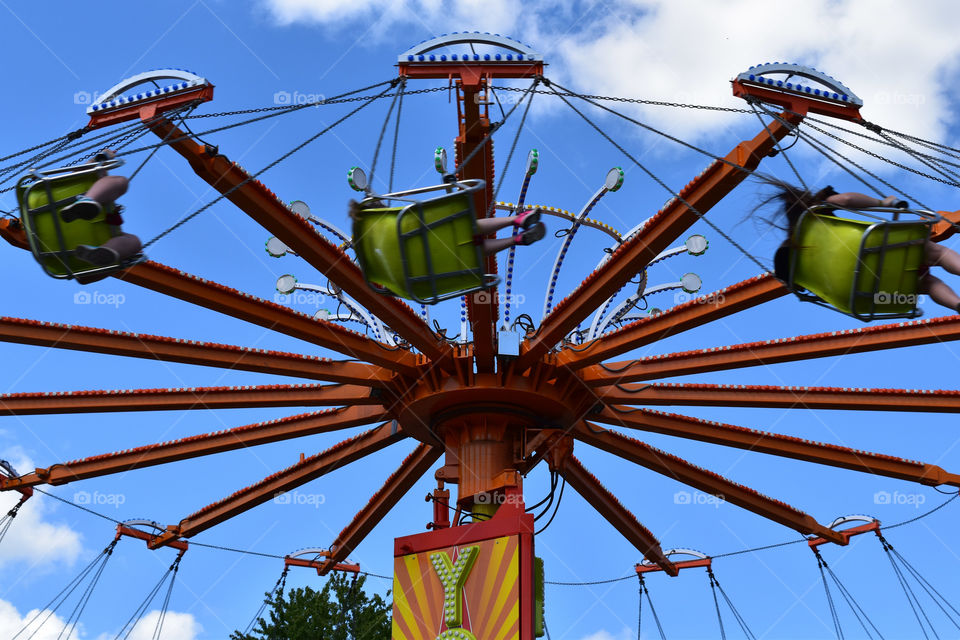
(869, 269)
(425, 250)
(41, 196)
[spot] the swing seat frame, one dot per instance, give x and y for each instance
(41, 196)
(865, 264)
(427, 250)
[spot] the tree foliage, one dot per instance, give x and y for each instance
(342, 610)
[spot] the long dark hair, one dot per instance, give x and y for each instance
(791, 201)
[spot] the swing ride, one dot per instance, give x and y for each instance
(507, 393)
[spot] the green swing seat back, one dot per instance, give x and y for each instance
(865, 269)
(51, 239)
(425, 251)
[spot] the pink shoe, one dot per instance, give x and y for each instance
(531, 234)
(527, 219)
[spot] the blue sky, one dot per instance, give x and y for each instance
(677, 52)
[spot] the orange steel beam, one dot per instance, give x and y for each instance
(261, 204)
(948, 226)
(474, 128)
(147, 537)
(707, 481)
(685, 564)
(250, 435)
(210, 354)
(849, 533)
(688, 315)
(820, 345)
(631, 257)
(775, 444)
(598, 497)
(396, 486)
(294, 476)
(318, 565)
(745, 395)
(274, 395)
(217, 297)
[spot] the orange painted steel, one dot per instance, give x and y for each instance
(849, 533)
(948, 225)
(261, 204)
(795, 104)
(746, 395)
(685, 564)
(308, 469)
(150, 110)
(691, 314)
(130, 532)
(635, 254)
(200, 445)
(319, 564)
(707, 481)
(615, 513)
(274, 395)
(270, 315)
(474, 130)
(730, 435)
(210, 354)
(751, 354)
(387, 497)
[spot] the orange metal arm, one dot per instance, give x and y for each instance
(775, 444)
(688, 315)
(635, 254)
(706, 481)
(396, 486)
(615, 513)
(205, 444)
(147, 537)
(821, 345)
(261, 204)
(946, 227)
(319, 564)
(474, 127)
(217, 297)
(276, 395)
(294, 476)
(745, 395)
(141, 345)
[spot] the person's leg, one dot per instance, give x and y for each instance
(497, 244)
(937, 255)
(526, 237)
(486, 226)
(125, 244)
(940, 293)
(107, 189)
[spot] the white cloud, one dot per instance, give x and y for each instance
(44, 628)
(895, 57)
(603, 634)
(33, 540)
(176, 626)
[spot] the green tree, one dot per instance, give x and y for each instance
(339, 611)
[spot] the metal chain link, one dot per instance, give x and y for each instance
(658, 103)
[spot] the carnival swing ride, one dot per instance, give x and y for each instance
(507, 392)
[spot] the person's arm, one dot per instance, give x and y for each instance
(853, 200)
